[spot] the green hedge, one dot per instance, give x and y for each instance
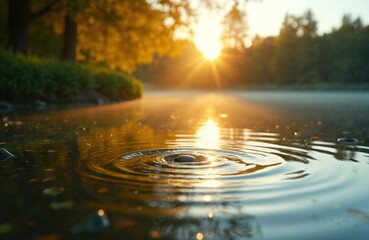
(113, 84)
(29, 78)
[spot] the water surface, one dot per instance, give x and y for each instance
(261, 165)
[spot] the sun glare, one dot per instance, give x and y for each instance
(207, 37)
(208, 135)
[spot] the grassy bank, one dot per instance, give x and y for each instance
(24, 79)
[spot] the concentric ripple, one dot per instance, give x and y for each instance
(161, 163)
(262, 177)
(237, 164)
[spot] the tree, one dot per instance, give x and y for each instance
(73, 11)
(294, 61)
(258, 61)
(70, 32)
(235, 28)
(350, 51)
(19, 19)
(122, 34)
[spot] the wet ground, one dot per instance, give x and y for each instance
(189, 165)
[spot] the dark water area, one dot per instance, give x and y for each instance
(189, 165)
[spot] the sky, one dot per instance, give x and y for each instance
(265, 17)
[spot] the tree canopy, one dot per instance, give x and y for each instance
(120, 34)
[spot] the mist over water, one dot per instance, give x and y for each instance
(192, 165)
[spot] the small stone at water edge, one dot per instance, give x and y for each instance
(185, 158)
(4, 154)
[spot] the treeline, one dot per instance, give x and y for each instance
(297, 56)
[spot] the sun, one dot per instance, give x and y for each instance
(207, 37)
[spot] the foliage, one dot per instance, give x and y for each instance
(235, 28)
(297, 56)
(120, 34)
(24, 79)
(130, 33)
(113, 84)
(32, 78)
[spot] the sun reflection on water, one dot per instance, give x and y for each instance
(210, 183)
(208, 135)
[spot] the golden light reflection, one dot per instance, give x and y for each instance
(208, 135)
(101, 212)
(199, 236)
(208, 180)
(207, 198)
(210, 183)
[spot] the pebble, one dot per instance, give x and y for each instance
(4, 154)
(185, 158)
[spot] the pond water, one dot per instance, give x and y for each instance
(189, 165)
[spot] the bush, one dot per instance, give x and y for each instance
(23, 79)
(113, 84)
(67, 79)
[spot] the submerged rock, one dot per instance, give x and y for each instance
(189, 158)
(96, 222)
(4, 154)
(185, 158)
